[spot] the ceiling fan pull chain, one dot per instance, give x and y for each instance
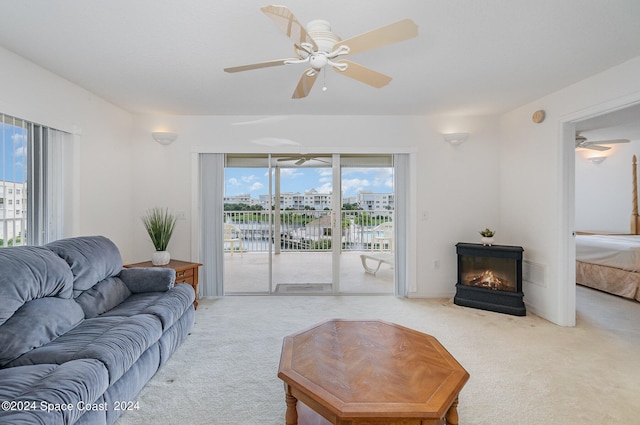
(324, 79)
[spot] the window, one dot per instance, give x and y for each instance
(31, 166)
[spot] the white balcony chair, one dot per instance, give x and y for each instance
(379, 258)
(381, 249)
(382, 237)
(233, 236)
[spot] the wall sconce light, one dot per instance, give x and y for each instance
(597, 159)
(163, 137)
(456, 138)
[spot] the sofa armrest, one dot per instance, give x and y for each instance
(148, 279)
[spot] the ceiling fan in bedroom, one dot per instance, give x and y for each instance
(318, 47)
(302, 159)
(582, 142)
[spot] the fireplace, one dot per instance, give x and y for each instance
(490, 278)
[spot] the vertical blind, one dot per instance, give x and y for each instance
(401, 185)
(32, 182)
(212, 192)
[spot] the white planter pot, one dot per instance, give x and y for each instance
(487, 240)
(160, 258)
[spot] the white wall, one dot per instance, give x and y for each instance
(121, 171)
(537, 191)
(103, 185)
(604, 191)
(510, 175)
(456, 186)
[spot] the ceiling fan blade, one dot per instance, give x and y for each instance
(364, 74)
(389, 34)
(610, 142)
(313, 159)
(259, 65)
(287, 22)
(595, 147)
(305, 84)
(300, 160)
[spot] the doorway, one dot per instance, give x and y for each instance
(299, 224)
(567, 293)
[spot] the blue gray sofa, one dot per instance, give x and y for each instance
(80, 335)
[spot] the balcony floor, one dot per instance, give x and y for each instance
(249, 274)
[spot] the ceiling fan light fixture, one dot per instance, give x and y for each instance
(597, 159)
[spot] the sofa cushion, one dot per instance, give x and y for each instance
(103, 296)
(148, 279)
(91, 258)
(127, 387)
(35, 324)
(173, 337)
(28, 273)
(41, 387)
(167, 306)
(116, 341)
(96, 416)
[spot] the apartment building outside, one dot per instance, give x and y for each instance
(13, 211)
(315, 200)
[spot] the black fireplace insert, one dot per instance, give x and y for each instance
(490, 278)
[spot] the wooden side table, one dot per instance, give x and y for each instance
(186, 272)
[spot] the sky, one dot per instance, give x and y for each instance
(255, 181)
(13, 153)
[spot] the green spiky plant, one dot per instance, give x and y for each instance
(487, 233)
(159, 224)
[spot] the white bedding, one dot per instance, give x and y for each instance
(618, 251)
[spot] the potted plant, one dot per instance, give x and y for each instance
(487, 236)
(159, 224)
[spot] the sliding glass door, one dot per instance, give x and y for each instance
(367, 219)
(304, 220)
(307, 224)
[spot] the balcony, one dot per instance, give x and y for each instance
(301, 244)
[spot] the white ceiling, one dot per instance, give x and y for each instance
(471, 56)
(622, 124)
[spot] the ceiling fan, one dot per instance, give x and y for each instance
(581, 142)
(301, 159)
(317, 46)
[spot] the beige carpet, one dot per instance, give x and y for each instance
(524, 370)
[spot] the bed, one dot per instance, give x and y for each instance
(611, 263)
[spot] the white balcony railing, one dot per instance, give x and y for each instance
(11, 231)
(308, 230)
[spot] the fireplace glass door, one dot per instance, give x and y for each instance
(489, 272)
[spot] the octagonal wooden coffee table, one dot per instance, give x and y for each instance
(349, 372)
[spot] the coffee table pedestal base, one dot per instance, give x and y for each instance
(299, 413)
